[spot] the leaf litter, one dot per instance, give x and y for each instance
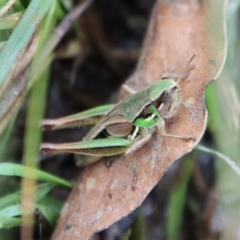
(177, 31)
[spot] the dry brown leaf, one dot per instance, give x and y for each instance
(177, 31)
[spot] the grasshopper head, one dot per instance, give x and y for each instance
(170, 102)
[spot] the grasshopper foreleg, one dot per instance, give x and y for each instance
(162, 132)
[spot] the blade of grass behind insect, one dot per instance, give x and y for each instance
(22, 35)
(37, 99)
(231, 163)
(9, 215)
(5, 6)
(12, 169)
(12, 198)
(10, 90)
(50, 207)
(10, 21)
(32, 139)
(8, 153)
(46, 56)
(44, 59)
(137, 230)
(9, 223)
(178, 198)
(11, 211)
(226, 129)
(35, 112)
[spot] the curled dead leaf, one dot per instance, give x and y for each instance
(177, 31)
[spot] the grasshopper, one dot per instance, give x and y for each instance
(128, 124)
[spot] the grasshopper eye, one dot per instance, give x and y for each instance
(171, 101)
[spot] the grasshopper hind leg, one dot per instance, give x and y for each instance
(143, 137)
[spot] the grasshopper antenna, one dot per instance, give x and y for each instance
(187, 70)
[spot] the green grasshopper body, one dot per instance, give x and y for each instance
(129, 124)
(139, 110)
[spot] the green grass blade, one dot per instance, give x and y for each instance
(10, 21)
(9, 222)
(137, 230)
(5, 6)
(10, 199)
(35, 113)
(231, 163)
(11, 169)
(50, 208)
(22, 35)
(177, 200)
(11, 211)
(11, 96)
